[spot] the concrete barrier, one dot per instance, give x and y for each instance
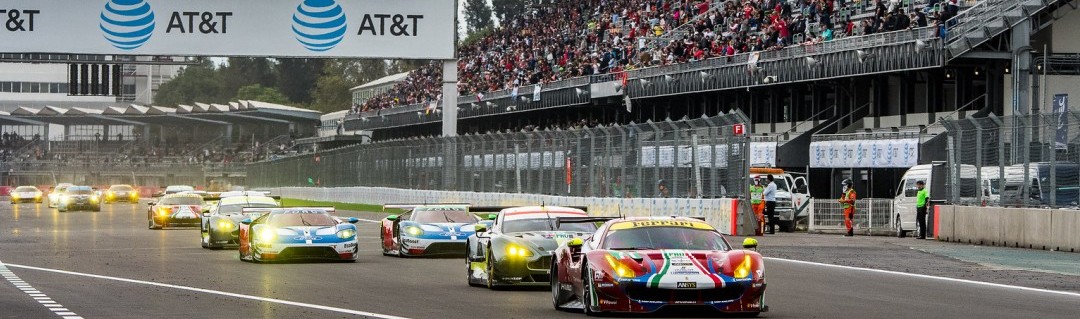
(728, 215)
(1013, 227)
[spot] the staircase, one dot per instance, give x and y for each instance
(988, 19)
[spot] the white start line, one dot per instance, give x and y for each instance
(38, 296)
(214, 292)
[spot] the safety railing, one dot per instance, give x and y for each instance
(872, 215)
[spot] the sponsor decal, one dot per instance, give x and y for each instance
(350, 245)
(686, 285)
(605, 285)
(662, 223)
(319, 25)
(607, 302)
(127, 24)
(411, 241)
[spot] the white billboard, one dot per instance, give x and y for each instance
(412, 29)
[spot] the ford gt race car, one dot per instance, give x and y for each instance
(517, 248)
(175, 210)
(79, 197)
(56, 193)
(428, 230)
(648, 263)
(26, 194)
(298, 233)
(221, 219)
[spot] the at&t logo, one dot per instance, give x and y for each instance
(127, 24)
(319, 24)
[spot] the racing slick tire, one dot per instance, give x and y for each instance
(490, 271)
(61, 209)
(97, 209)
(204, 241)
(588, 293)
(401, 248)
(152, 225)
(558, 296)
(382, 239)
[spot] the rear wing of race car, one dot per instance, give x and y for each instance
(254, 213)
(580, 220)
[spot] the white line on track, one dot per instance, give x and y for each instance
(41, 298)
(973, 282)
(215, 292)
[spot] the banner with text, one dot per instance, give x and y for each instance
(885, 153)
(408, 29)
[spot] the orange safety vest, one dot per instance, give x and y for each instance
(848, 199)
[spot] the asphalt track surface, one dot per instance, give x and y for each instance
(109, 265)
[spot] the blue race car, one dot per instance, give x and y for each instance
(428, 230)
(298, 233)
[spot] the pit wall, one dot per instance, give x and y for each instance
(724, 213)
(1047, 229)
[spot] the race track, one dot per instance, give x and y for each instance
(109, 265)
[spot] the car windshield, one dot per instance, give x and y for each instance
(79, 191)
(544, 224)
(120, 188)
(650, 238)
(22, 189)
(182, 200)
(287, 220)
(444, 216)
(237, 208)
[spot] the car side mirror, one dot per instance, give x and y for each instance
(353, 220)
(481, 229)
(492, 216)
(392, 218)
(750, 243)
(246, 221)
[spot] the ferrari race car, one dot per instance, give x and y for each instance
(56, 193)
(298, 233)
(517, 248)
(79, 198)
(121, 193)
(221, 219)
(26, 194)
(428, 230)
(647, 263)
(175, 210)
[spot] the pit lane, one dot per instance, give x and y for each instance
(147, 273)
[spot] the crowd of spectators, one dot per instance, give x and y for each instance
(573, 38)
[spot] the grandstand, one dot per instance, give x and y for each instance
(804, 72)
(147, 145)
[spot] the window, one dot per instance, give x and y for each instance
(35, 87)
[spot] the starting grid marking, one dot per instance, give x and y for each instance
(41, 298)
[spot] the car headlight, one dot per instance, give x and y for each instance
(163, 211)
(14, 197)
(621, 270)
(37, 196)
(94, 199)
(414, 231)
(743, 270)
(224, 224)
(65, 199)
(515, 250)
(346, 233)
(267, 234)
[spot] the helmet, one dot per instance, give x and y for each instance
(846, 182)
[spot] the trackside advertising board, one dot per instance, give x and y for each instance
(411, 29)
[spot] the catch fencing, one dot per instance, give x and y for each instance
(692, 158)
(1015, 161)
(872, 216)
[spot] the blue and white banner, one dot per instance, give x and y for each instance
(886, 153)
(1061, 110)
(413, 29)
(763, 154)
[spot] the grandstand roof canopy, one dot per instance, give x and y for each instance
(243, 112)
(384, 80)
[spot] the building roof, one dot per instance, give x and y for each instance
(385, 80)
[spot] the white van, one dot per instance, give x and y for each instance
(1066, 194)
(905, 200)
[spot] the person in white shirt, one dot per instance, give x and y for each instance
(770, 204)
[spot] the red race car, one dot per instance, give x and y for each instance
(175, 210)
(643, 264)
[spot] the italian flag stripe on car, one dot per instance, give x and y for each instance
(654, 281)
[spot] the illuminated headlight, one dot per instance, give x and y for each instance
(94, 199)
(346, 233)
(163, 211)
(620, 269)
(66, 200)
(224, 224)
(14, 197)
(414, 231)
(743, 270)
(37, 196)
(110, 195)
(514, 250)
(267, 234)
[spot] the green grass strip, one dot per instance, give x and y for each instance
(293, 202)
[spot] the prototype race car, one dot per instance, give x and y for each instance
(79, 198)
(121, 193)
(175, 210)
(517, 248)
(647, 263)
(428, 230)
(298, 233)
(221, 219)
(26, 194)
(56, 193)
